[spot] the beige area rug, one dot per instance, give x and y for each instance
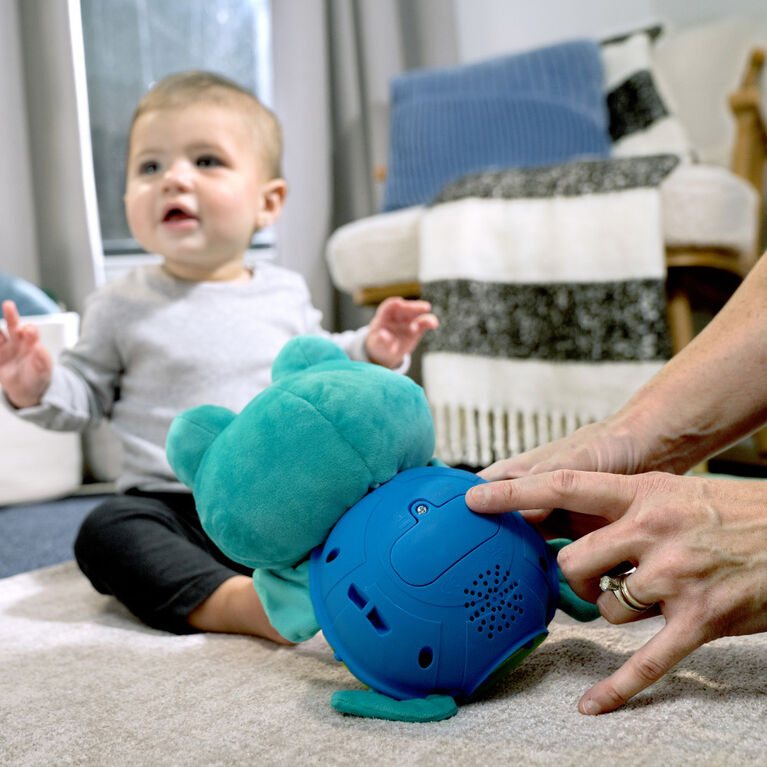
(83, 683)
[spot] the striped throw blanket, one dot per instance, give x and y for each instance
(549, 286)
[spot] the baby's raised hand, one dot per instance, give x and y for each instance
(396, 329)
(25, 364)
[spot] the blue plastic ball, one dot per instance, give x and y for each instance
(418, 595)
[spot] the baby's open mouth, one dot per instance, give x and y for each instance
(177, 214)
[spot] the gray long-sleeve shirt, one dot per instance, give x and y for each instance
(169, 345)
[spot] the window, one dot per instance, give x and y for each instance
(129, 45)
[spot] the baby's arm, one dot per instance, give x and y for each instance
(396, 330)
(26, 366)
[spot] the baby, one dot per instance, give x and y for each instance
(203, 174)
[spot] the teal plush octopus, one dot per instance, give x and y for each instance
(271, 482)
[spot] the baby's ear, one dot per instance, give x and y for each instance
(303, 352)
(191, 434)
(273, 196)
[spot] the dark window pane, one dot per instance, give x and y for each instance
(130, 44)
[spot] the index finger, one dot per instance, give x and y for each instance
(586, 492)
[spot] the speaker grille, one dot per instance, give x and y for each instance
(493, 602)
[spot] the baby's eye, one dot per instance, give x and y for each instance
(148, 167)
(208, 161)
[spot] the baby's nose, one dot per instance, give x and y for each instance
(178, 175)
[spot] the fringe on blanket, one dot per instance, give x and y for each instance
(478, 436)
(486, 409)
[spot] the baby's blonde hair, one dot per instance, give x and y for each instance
(194, 86)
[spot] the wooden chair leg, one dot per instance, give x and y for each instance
(680, 319)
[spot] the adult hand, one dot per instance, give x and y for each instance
(699, 546)
(605, 446)
(25, 364)
(396, 329)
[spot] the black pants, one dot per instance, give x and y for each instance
(150, 551)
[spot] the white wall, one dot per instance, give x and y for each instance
(685, 13)
(18, 241)
(493, 27)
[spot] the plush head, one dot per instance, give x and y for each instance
(303, 451)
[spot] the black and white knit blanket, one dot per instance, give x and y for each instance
(549, 286)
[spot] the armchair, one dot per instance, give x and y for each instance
(710, 222)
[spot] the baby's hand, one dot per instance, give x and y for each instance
(25, 364)
(396, 330)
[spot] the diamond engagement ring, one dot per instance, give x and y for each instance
(617, 584)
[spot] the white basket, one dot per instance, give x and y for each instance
(37, 464)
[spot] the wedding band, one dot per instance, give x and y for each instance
(617, 584)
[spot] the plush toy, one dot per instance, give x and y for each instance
(325, 484)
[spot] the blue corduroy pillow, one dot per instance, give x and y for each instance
(535, 108)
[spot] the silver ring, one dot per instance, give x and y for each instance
(617, 584)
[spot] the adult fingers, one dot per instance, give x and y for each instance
(586, 560)
(508, 468)
(672, 643)
(613, 610)
(627, 539)
(584, 495)
(585, 492)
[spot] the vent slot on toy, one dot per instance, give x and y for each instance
(493, 602)
(377, 622)
(356, 596)
(425, 657)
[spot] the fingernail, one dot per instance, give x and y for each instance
(589, 707)
(479, 497)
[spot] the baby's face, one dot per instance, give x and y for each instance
(196, 187)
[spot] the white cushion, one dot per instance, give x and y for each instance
(708, 206)
(703, 206)
(36, 464)
(378, 250)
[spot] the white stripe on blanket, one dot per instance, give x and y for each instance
(598, 237)
(489, 408)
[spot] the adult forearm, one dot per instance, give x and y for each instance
(711, 394)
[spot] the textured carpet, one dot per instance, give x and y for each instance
(83, 683)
